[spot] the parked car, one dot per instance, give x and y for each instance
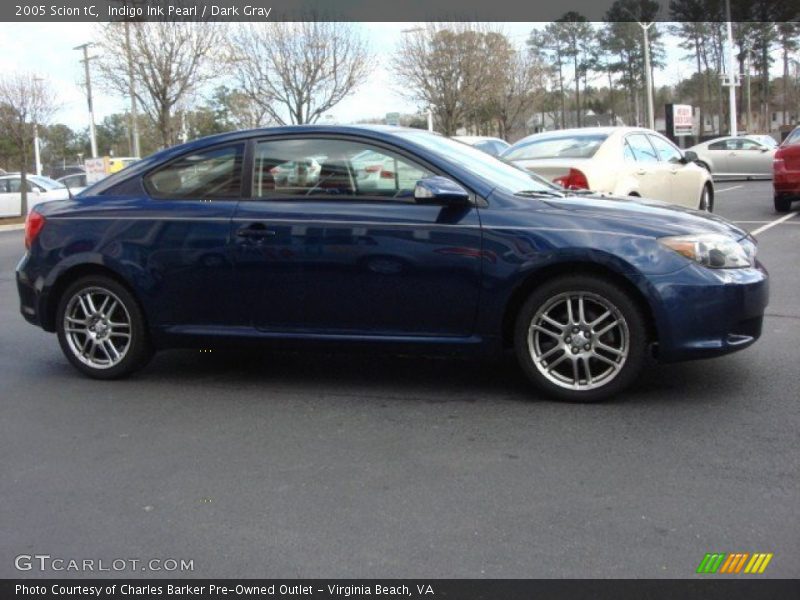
(76, 182)
(735, 157)
(490, 145)
(476, 257)
(40, 189)
(786, 172)
(624, 161)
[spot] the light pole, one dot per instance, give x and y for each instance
(651, 120)
(85, 61)
(36, 151)
(731, 79)
(132, 92)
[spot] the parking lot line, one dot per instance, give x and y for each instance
(773, 223)
(736, 187)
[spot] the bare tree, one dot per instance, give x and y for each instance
(298, 69)
(523, 83)
(170, 60)
(452, 67)
(27, 100)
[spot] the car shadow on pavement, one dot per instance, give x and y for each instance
(430, 379)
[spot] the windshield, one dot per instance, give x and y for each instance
(566, 146)
(505, 176)
(46, 182)
(792, 138)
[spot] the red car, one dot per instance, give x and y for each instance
(786, 172)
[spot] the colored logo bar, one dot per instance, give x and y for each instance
(734, 563)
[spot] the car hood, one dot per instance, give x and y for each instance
(642, 216)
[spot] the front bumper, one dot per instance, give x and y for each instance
(709, 312)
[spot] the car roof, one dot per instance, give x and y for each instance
(478, 138)
(608, 130)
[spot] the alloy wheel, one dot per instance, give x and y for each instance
(578, 340)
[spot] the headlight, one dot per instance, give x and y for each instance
(713, 250)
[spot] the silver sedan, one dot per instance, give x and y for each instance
(736, 157)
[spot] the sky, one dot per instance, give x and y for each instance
(46, 49)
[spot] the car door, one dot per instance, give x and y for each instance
(182, 233)
(751, 158)
(685, 180)
(9, 201)
(718, 155)
(651, 175)
(349, 251)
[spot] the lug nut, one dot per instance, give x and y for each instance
(575, 350)
(586, 347)
(568, 340)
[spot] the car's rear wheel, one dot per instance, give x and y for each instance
(706, 199)
(101, 328)
(581, 338)
(782, 204)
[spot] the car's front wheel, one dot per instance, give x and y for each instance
(101, 328)
(581, 338)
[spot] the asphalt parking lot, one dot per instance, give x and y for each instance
(289, 465)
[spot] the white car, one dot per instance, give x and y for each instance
(490, 145)
(623, 161)
(40, 189)
(736, 157)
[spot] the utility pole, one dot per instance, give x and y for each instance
(85, 61)
(731, 79)
(132, 92)
(651, 120)
(747, 50)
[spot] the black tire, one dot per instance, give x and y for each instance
(134, 351)
(782, 204)
(595, 291)
(706, 203)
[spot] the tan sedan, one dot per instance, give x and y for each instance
(623, 161)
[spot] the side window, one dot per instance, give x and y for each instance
(627, 152)
(720, 145)
(326, 168)
(15, 186)
(749, 145)
(642, 149)
(666, 150)
(3, 186)
(214, 173)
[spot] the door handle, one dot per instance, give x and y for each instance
(254, 231)
(641, 172)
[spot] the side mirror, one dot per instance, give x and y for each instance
(689, 156)
(440, 190)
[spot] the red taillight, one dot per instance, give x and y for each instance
(574, 180)
(33, 225)
(387, 174)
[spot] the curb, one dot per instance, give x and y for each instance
(14, 227)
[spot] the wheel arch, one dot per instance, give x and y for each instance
(69, 276)
(552, 271)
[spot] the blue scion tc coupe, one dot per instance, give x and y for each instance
(391, 237)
